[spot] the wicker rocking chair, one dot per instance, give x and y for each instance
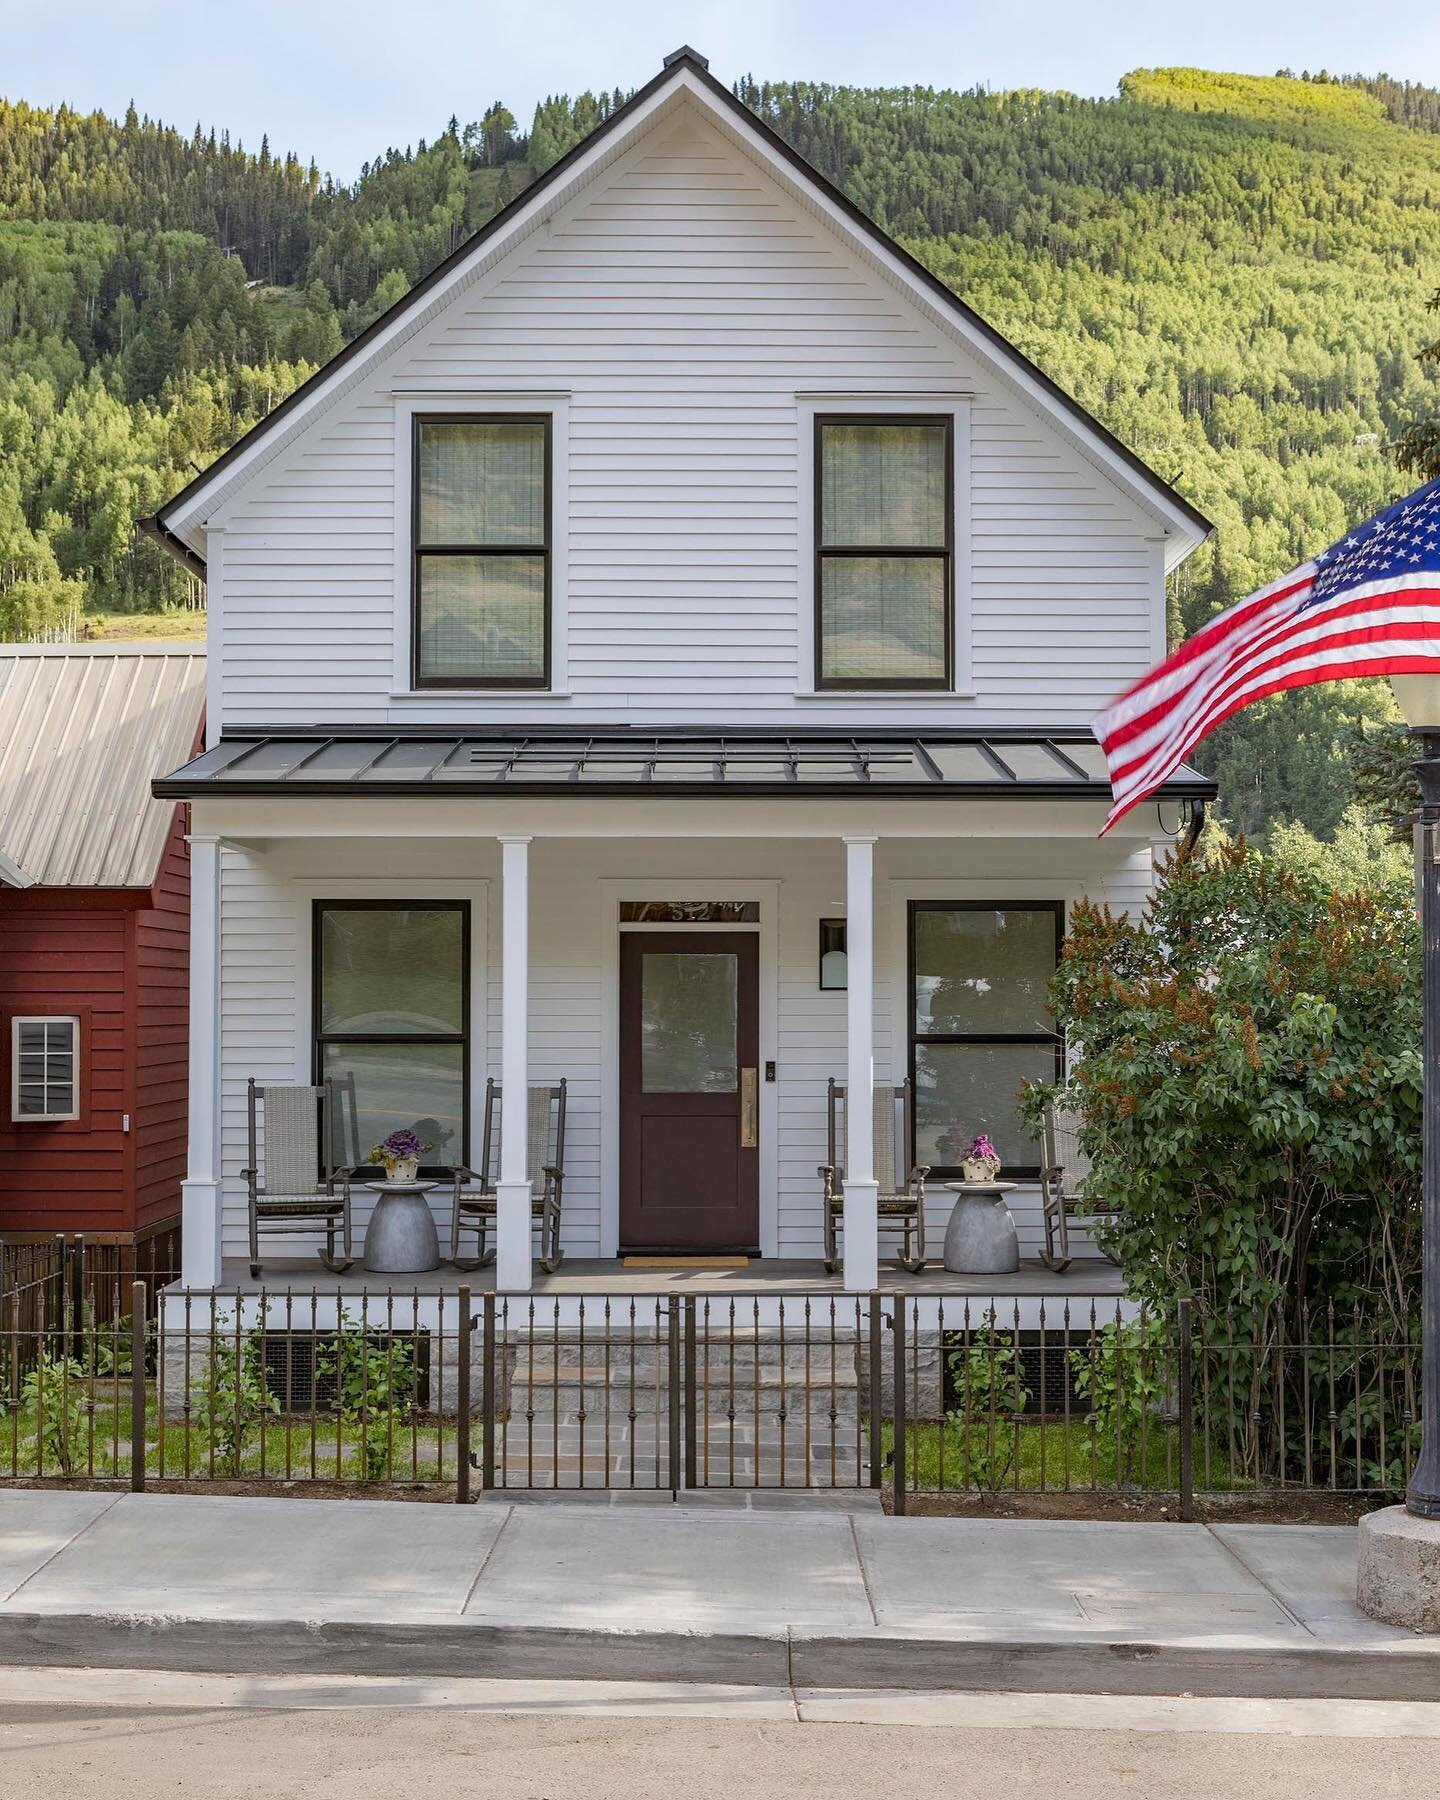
(474, 1204)
(901, 1201)
(290, 1139)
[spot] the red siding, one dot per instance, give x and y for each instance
(160, 1014)
(68, 953)
(121, 961)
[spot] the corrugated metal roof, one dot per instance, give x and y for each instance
(84, 729)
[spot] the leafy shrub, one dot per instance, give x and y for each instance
(375, 1388)
(54, 1407)
(989, 1380)
(1125, 1373)
(1249, 1079)
(233, 1395)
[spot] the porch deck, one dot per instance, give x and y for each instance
(1087, 1278)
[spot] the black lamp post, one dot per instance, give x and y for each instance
(1419, 697)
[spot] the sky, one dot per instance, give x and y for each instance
(341, 80)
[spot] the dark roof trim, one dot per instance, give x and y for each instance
(154, 527)
(684, 58)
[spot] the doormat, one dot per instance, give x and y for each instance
(686, 1262)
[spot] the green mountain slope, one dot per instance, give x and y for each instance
(1229, 270)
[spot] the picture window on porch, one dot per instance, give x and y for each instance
(44, 1069)
(884, 581)
(980, 1025)
(481, 536)
(392, 1023)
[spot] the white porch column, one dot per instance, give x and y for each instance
(861, 1241)
(200, 1193)
(512, 1191)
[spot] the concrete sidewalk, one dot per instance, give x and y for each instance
(814, 1595)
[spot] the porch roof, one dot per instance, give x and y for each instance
(1065, 764)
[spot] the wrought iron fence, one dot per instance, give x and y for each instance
(109, 1379)
(1036, 1397)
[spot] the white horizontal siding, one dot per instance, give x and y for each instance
(682, 303)
(265, 966)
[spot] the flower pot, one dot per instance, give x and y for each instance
(979, 1171)
(403, 1171)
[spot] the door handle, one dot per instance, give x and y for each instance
(749, 1109)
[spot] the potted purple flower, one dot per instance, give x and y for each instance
(981, 1162)
(400, 1154)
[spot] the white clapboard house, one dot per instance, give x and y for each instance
(658, 653)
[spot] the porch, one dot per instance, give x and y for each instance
(1088, 1278)
(898, 928)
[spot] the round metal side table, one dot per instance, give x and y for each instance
(980, 1238)
(401, 1238)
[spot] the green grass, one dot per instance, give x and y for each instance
(173, 622)
(1036, 1456)
(289, 1447)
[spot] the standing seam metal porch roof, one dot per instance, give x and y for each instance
(628, 760)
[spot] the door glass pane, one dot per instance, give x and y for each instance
(882, 618)
(962, 1090)
(482, 482)
(983, 972)
(392, 970)
(396, 1087)
(482, 618)
(688, 1022)
(883, 484)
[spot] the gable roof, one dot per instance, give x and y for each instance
(84, 729)
(178, 525)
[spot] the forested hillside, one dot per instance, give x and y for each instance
(1230, 271)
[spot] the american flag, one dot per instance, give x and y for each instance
(1369, 605)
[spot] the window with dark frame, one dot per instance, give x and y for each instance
(884, 551)
(481, 538)
(980, 1025)
(392, 1024)
(44, 1068)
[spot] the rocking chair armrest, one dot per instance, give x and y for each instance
(340, 1177)
(460, 1174)
(917, 1174)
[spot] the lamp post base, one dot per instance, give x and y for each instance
(1398, 1580)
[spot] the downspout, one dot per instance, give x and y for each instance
(1195, 827)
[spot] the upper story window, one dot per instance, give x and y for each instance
(884, 551)
(482, 547)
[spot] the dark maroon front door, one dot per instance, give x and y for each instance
(689, 1099)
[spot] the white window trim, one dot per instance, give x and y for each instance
(808, 408)
(44, 1118)
(552, 406)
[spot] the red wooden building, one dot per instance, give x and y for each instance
(94, 933)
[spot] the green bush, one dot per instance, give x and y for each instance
(989, 1383)
(54, 1408)
(375, 1388)
(233, 1395)
(1248, 1071)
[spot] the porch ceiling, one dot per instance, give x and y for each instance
(1062, 764)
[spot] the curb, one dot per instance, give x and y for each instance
(294, 1646)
